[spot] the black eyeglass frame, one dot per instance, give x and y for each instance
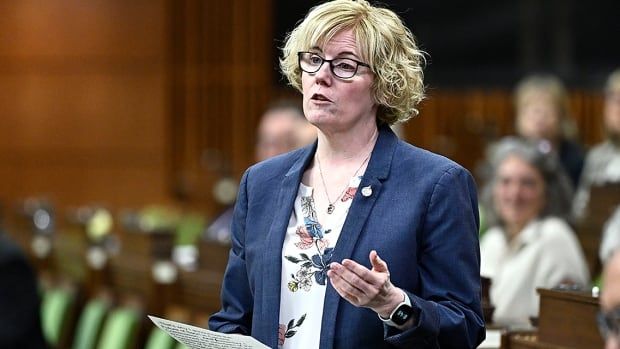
(331, 65)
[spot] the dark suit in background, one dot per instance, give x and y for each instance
(20, 321)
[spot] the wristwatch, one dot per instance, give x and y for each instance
(401, 314)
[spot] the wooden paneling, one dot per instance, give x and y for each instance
(221, 75)
(460, 123)
(82, 101)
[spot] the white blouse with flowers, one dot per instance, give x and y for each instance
(306, 255)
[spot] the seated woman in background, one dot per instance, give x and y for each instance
(542, 116)
(603, 160)
(529, 244)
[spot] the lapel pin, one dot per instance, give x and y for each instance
(367, 191)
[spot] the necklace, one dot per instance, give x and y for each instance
(331, 207)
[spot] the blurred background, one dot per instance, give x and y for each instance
(121, 116)
(129, 103)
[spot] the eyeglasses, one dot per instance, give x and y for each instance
(609, 323)
(344, 68)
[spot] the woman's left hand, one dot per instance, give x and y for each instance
(363, 287)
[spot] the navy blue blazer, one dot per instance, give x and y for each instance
(422, 219)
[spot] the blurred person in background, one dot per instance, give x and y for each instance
(282, 128)
(609, 316)
(542, 115)
(20, 321)
(602, 163)
(529, 243)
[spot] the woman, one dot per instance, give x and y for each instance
(317, 263)
(530, 245)
(542, 116)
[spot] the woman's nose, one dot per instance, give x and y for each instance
(324, 74)
(511, 190)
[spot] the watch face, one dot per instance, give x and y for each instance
(402, 314)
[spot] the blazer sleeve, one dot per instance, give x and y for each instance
(236, 295)
(448, 302)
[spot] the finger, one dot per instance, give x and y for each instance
(349, 271)
(344, 289)
(377, 263)
(369, 276)
(348, 277)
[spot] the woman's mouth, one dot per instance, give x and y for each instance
(319, 98)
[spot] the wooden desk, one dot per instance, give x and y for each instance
(566, 320)
(133, 271)
(569, 319)
(200, 289)
(601, 205)
(487, 307)
(213, 256)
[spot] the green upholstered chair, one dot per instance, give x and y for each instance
(120, 329)
(189, 228)
(56, 307)
(89, 324)
(159, 339)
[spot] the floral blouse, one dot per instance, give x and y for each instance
(306, 255)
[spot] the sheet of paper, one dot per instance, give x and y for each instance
(493, 339)
(200, 338)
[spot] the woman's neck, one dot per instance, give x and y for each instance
(345, 147)
(513, 230)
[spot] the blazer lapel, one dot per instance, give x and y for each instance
(361, 208)
(272, 263)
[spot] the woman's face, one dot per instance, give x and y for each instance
(334, 104)
(518, 193)
(612, 112)
(539, 118)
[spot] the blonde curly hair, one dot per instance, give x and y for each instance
(385, 43)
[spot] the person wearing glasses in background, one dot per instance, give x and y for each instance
(609, 315)
(359, 240)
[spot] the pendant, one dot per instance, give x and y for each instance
(330, 208)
